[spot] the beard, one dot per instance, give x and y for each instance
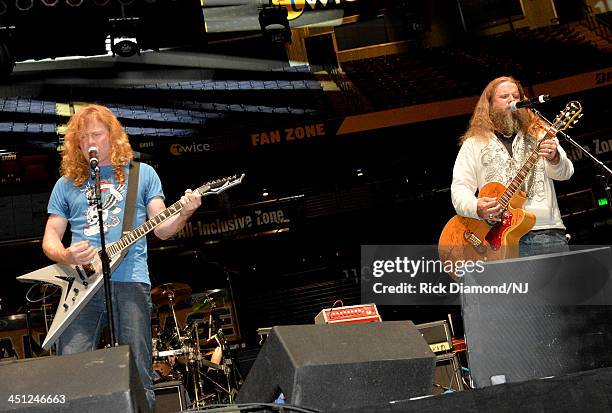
(505, 122)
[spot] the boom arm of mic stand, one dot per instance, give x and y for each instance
(588, 154)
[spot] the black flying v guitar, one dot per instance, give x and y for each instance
(80, 283)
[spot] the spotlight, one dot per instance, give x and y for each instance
(123, 36)
(125, 47)
(24, 5)
(265, 193)
(274, 24)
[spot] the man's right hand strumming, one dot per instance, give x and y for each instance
(80, 253)
(488, 209)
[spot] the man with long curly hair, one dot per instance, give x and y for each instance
(493, 149)
(97, 126)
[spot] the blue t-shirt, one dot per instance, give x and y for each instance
(72, 203)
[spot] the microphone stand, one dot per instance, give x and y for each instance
(105, 259)
(597, 162)
(29, 327)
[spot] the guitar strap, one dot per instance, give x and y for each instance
(130, 202)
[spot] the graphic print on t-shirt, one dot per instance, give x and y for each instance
(111, 197)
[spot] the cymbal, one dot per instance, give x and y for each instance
(179, 292)
(19, 321)
(205, 297)
(213, 293)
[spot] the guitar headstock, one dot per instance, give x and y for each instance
(219, 185)
(569, 116)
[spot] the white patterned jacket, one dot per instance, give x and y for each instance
(480, 162)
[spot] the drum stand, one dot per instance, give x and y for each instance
(201, 371)
(191, 369)
(232, 374)
(170, 296)
(199, 363)
(198, 371)
(225, 394)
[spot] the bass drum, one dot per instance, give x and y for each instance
(166, 369)
(163, 369)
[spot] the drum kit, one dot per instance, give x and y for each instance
(21, 333)
(197, 354)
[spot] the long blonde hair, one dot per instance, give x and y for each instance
(74, 165)
(481, 125)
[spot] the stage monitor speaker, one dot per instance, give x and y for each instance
(329, 366)
(587, 391)
(99, 381)
(170, 397)
(540, 333)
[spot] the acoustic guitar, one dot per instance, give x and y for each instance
(472, 239)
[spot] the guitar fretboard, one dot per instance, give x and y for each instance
(504, 199)
(568, 116)
(131, 237)
(134, 235)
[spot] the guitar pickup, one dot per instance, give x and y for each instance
(89, 270)
(81, 275)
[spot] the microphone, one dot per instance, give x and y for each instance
(527, 103)
(93, 157)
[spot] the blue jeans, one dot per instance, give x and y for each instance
(543, 241)
(132, 318)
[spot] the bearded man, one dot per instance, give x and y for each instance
(493, 149)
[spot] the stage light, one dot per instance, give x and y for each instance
(24, 5)
(123, 36)
(274, 24)
(125, 47)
